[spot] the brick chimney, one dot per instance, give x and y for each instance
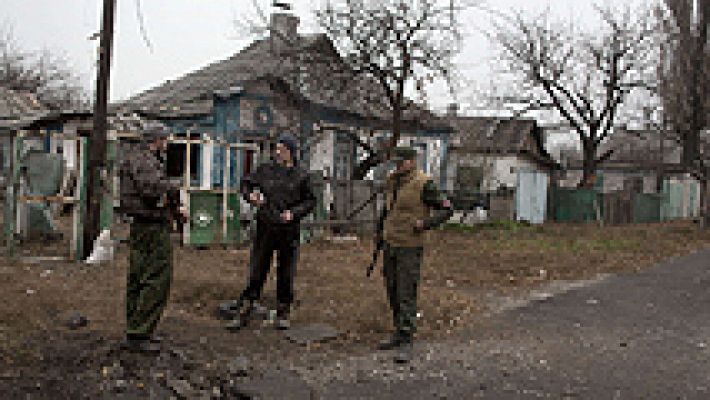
(283, 30)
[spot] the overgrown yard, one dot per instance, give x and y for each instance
(461, 266)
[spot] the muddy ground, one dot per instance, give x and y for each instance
(463, 272)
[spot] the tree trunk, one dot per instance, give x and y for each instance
(588, 168)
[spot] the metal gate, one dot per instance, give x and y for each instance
(214, 214)
(531, 196)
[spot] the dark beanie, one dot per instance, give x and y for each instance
(291, 143)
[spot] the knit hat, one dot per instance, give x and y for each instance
(290, 143)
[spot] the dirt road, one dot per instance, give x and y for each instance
(465, 276)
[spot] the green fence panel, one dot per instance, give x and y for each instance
(647, 207)
(672, 202)
(205, 218)
(676, 200)
(576, 205)
(665, 210)
(693, 199)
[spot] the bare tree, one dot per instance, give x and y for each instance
(379, 52)
(685, 82)
(585, 77)
(395, 43)
(43, 74)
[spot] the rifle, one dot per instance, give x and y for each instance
(379, 238)
(379, 243)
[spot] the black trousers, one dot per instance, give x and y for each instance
(268, 239)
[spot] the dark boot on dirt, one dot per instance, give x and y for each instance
(229, 309)
(141, 345)
(282, 321)
(392, 343)
(404, 353)
(243, 315)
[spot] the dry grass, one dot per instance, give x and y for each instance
(460, 266)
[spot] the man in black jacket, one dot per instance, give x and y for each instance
(283, 194)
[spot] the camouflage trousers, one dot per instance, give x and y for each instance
(401, 270)
(149, 276)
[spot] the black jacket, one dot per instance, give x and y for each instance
(283, 189)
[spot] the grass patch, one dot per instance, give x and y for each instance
(583, 245)
(491, 225)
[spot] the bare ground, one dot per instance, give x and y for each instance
(462, 269)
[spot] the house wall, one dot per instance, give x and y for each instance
(321, 153)
(506, 169)
(284, 118)
(498, 170)
(321, 159)
(612, 180)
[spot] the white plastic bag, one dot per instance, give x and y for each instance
(103, 248)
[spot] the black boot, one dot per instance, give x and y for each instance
(282, 312)
(145, 345)
(392, 343)
(229, 309)
(243, 315)
(404, 353)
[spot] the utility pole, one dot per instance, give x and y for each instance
(97, 152)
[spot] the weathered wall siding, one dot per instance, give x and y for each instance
(207, 154)
(650, 183)
(613, 181)
(505, 171)
(283, 118)
(69, 153)
(286, 118)
(571, 179)
(466, 159)
(498, 170)
(322, 153)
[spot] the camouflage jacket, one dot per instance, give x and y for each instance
(144, 184)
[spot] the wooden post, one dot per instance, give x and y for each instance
(11, 203)
(97, 161)
(78, 213)
(188, 183)
(225, 190)
(237, 184)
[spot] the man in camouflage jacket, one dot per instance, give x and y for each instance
(144, 199)
(406, 218)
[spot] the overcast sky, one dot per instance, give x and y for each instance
(189, 34)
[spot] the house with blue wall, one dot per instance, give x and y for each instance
(277, 85)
